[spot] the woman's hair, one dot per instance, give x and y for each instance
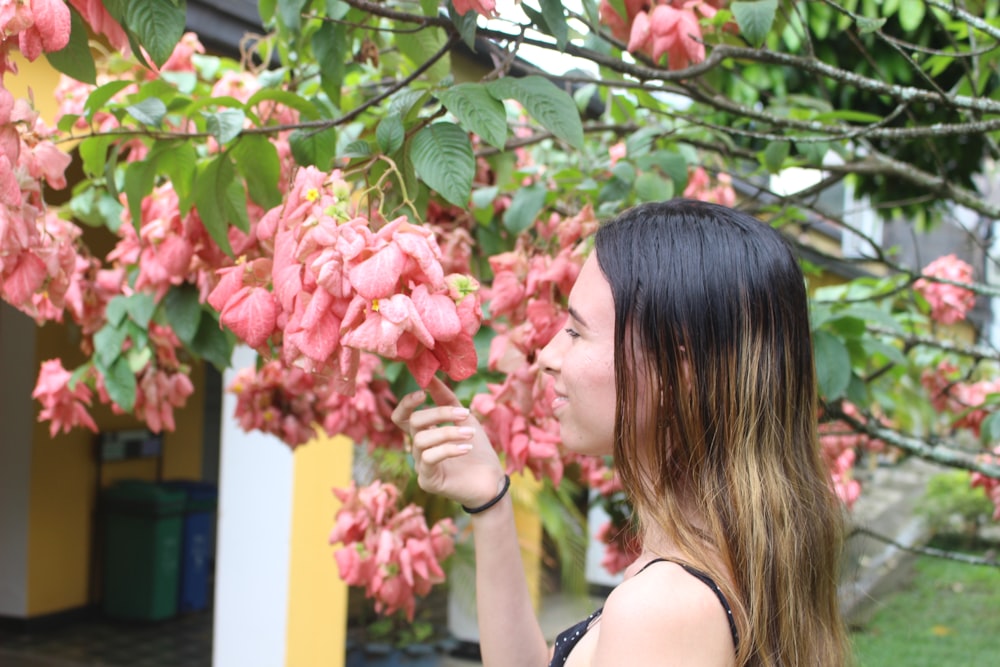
(715, 426)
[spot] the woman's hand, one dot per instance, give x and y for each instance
(451, 453)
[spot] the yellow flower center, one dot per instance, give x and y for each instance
(375, 305)
(312, 194)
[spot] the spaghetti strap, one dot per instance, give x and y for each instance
(708, 581)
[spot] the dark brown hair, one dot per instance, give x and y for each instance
(716, 413)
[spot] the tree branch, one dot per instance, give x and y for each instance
(927, 551)
(930, 450)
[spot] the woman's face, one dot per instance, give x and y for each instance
(581, 360)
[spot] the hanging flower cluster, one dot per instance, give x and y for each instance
(840, 444)
(335, 288)
(658, 28)
(949, 303)
(291, 403)
(389, 551)
(964, 399)
(621, 547)
(990, 486)
(64, 404)
(527, 298)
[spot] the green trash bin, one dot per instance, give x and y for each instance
(142, 549)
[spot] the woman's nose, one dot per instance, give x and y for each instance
(550, 357)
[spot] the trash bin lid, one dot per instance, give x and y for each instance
(135, 496)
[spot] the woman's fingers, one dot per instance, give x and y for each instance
(430, 439)
(442, 393)
(407, 404)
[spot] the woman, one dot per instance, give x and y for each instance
(687, 355)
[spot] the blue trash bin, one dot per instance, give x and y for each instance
(196, 542)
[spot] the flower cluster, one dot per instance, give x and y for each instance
(38, 254)
(990, 485)
(621, 547)
(840, 443)
(962, 399)
(64, 407)
(949, 303)
(335, 288)
(660, 28)
(291, 403)
(389, 551)
(527, 309)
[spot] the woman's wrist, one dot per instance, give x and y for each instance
(502, 488)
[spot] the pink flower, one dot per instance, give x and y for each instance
(949, 303)
(100, 21)
(485, 8)
(49, 29)
(387, 549)
(63, 407)
(620, 547)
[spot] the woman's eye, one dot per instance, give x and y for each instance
(572, 333)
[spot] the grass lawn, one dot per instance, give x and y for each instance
(947, 616)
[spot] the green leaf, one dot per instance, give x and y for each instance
(465, 24)
(94, 154)
(158, 25)
(290, 12)
(755, 19)
(258, 162)
(314, 147)
(235, 205)
(650, 187)
(214, 177)
(990, 429)
(95, 207)
(139, 179)
(359, 148)
(775, 154)
(101, 95)
(867, 25)
(548, 21)
(178, 160)
(390, 134)
(330, 45)
(116, 311)
(75, 59)
(911, 14)
(140, 307)
(212, 343)
(551, 106)
(478, 112)
(138, 358)
(225, 125)
(183, 311)
(149, 111)
(418, 47)
(442, 157)
(119, 380)
(306, 109)
(108, 342)
(833, 365)
(555, 21)
(524, 208)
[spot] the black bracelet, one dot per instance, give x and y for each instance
(499, 496)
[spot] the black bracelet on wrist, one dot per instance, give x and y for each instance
(499, 496)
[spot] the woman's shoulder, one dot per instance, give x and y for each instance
(666, 613)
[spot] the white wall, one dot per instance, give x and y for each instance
(253, 550)
(18, 372)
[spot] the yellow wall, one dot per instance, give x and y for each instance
(317, 597)
(64, 483)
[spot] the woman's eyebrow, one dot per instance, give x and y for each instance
(576, 316)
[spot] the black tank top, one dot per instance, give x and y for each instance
(569, 638)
